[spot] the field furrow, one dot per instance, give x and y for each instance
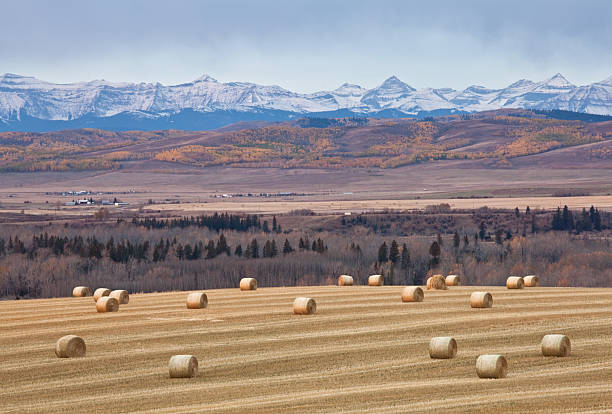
(363, 351)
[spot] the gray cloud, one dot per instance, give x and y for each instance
(308, 45)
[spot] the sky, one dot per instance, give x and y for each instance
(306, 46)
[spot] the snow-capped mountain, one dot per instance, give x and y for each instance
(31, 104)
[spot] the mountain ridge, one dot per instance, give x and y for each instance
(30, 104)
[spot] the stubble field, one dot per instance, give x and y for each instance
(363, 351)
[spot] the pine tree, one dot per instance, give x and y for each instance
(456, 240)
(211, 250)
(274, 250)
(188, 252)
(466, 240)
(197, 251)
(320, 246)
(254, 249)
(498, 236)
(238, 251)
(274, 224)
(394, 253)
(587, 223)
(405, 261)
(434, 251)
(596, 218)
(222, 246)
(482, 230)
(287, 247)
(567, 219)
(557, 223)
(265, 227)
(383, 253)
(267, 249)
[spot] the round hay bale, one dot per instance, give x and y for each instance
(122, 296)
(376, 280)
(515, 282)
(304, 306)
(345, 280)
(442, 347)
(248, 283)
(491, 366)
(531, 281)
(70, 346)
(99, 292)
(436, 282)
(197, 300)
(107, 304)
(81, 291)
(481, 300)
(452, 280)
(556, 345)
(183, 366)
(412, 294)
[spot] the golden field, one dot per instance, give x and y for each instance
(363, 351)
(340, 206)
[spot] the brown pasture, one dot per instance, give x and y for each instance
(363, 351)
(337, 206)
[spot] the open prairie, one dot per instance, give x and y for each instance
(363, 351)
(339, 206)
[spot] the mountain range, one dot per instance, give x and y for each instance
(29, 104)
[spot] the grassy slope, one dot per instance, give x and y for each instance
(364, 351)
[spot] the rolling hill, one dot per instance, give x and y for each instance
(493, 139)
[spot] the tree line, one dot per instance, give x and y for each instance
(313, 251)
(584, 221)
(216, 221)
(126, 250)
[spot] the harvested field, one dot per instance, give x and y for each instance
(338, 206)
(363, 351)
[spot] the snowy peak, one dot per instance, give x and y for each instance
(394, 85)
(33, 98)
(11, 76)
(607, 82)
(478, 90)
(12, 79)
(559, 81)
(205, 78)
(523, 83)
(348, 89)
(555, 84)
(391, 94)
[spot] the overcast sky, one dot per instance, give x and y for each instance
(308, 45)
